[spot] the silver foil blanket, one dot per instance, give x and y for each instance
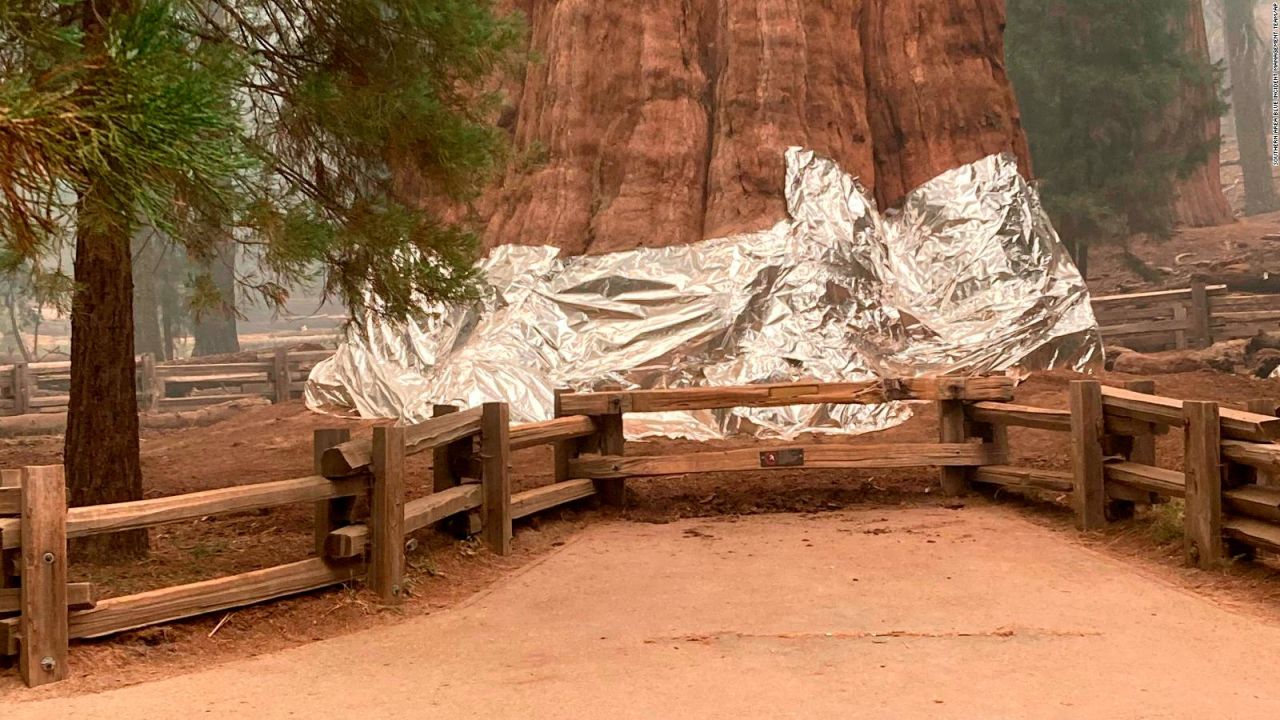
(968, 277)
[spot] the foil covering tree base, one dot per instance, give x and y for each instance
(967, 277)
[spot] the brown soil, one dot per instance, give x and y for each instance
(1188, 253)
(273, 442)
(922, 612)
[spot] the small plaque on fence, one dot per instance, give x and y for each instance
(788, 457)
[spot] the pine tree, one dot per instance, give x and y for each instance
(1250, 100)
(1096, 81)
(291, 127)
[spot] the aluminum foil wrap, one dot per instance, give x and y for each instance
(968, 277)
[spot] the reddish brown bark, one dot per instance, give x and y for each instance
(666, 124)
(1199, 200)
(1249, 98)
(101, 454)
(940, 96)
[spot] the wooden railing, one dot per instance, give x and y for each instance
(1229, 456)
(1112, 468)
(1196, 316)
(43, 387)
(470, 481)
(608, 468)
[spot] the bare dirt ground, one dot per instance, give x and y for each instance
(1188, 253)
(273, 442)
(911, 613)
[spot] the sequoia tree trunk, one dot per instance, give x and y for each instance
(667, 124)
(215, 328)
(1198, 198)
(101, 453)
(1248, 98)
(147, 337)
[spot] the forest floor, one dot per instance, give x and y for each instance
(1188, 253)
(274, 442)
(919, 612)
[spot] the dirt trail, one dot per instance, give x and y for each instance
(905, 613)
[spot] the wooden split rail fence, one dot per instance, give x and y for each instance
(1232, 508)
(1195, 317)
(1230, 453)
(471, 494)
(42, 387)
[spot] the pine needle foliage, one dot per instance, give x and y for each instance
(326, 137)
(1114, 105)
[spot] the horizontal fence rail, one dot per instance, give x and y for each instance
(1191, 317)
(829, 455)
(42, 387)
(1231, 507)
(863, 393)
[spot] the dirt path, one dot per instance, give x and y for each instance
(912, 613)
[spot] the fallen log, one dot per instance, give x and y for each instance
(33, 424)
(1224, 356)
(56, 423)
(1243, 277)
(201, 416)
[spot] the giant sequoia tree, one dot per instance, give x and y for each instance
(665, 123)
(1120, 104)
(290, 127)
(1251, 102)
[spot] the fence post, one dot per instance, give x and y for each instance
(564, 450)
(1201, 324)
(1088, 426)
(952, 429)
(336, 512)
(1202, 524)
(450, 466)
(1139, 449)
(280, 371)
(43, 623)
(147, 399)
(1262, 406)
(386, 514)
(612, 491)
(21, 389)
(495, 454)
(1180, 335)
(10, 560)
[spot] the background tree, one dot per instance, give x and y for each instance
(161, 309)
(1116, 102)
(281, 125)
(1250, 101)
(25, 300)
(148, 276)
(214, 328)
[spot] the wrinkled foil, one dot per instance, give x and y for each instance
(967, 277)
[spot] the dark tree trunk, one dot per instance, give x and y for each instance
(1248, 98)
(1079, 251)
(172, 315)
(146, 300)
(102, 453)
(215, 328)
(1198, 197)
